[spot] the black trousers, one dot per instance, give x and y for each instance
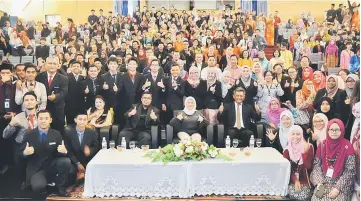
(57, 170)
(243, 135)
(143, 136)
(5, 144)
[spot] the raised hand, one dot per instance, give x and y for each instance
(115, 88)
(133, 112)
(14, 122)
(164, 108)
(86, 90)
(287, 84)
(274, 81)
(200, 119)
(146, 84)
(62, 148)
(161, 84)
(212, 89)
(105, 86)
(334, 193)
(306, 147)
(152, 115)
(180, 116)
(28, 150)
(19, 84)
(271, 136)
(52, 96)
(347, 101)
(297, 186)
(86, 151)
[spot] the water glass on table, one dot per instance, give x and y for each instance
(132, 145)
(259, 142)
(235, 143)
(111, 144)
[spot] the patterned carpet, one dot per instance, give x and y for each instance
(77, 190)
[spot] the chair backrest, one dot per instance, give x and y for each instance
(1, 53)
(333, 71)
(14, 60)
(27, 59)
(176, 112)
(28, 51)
(320, 64)
(315, 57)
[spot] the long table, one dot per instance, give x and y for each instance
(128, 173)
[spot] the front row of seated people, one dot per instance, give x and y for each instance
(49, 156)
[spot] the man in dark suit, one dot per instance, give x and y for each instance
(155, 84)
(76, 92)
(237, 116)
(82, 144)
(174, 86)
(46, 156)
(57, 90)
(132, 83)
(93, 86)
(111, 88)
(42, 50)
(139, 119)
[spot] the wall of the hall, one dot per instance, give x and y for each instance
(78, 10)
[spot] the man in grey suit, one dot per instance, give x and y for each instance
(258, 41)
(19, 125)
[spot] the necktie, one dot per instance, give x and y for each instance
(238, 119)
(43, 138)
(94, 87)
(80, 138)
(115, 78)
(31, 122)
(50, 80)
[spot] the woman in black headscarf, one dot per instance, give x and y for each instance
(325, 106)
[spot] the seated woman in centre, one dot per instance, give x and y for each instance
(189, 123)
(100, 115)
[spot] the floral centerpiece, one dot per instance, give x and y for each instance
(185, 151)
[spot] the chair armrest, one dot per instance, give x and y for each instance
(210, 134)
(114, 133)
(154, 132)
(260, 130)
(104, 132)
(220, 136)
(169, 133)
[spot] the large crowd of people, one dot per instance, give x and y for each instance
(188, 69)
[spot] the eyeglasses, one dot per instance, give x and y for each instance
(318, 122)
(336, 130)
(350, 80)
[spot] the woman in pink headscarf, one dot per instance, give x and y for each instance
(334, 167)
(319, 80)
(307, 73)
(274, 112)
(331, 54)
(356, 146)
(300, 154)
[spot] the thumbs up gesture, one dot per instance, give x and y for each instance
(105, 86)
(62, 149)
(212, 89)
(274, 81)
(86, 90)
(256, 107)
(322, 68)
(115, 88)
(19, 84)
(161, 84)
(146, 84)
(200, 119)
(287, 84)
(152, 115)
(28, 150)
(52, 96)
(221, 108)
(180, 116)
(86, 151)
(133, 112)
(347, 101)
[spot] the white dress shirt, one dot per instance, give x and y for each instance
(240, 114)
(40, 92)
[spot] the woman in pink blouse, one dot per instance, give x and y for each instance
(346, 56)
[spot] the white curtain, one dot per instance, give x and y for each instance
(262, 7)
(246, 5)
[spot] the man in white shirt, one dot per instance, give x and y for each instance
(211, 64)
(30, 85)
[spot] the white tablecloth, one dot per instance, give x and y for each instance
(118, 174)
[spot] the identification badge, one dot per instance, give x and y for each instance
(7, 104)
(329, 172)
(52, 143)
(297, 175)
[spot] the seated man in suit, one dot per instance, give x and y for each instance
(82, 144)
(46, 156)
(237, 116)
(139, 119)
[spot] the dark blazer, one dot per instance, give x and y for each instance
(213, 100)
(251, 92)
(157, 92)
(13, 107)
(59, 86)
(285, 79)
(109, 94)
(174, 97)
(90, 97)
(228, 116)
(132, 122)
(76, 150)
(131, 92)
(223, 62)
(197, 93)
(338, 103)
(291, 96)
(42, 51)
(43, 153)
(75, 100)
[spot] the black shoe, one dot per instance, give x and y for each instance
(63, 193)
(3, 168)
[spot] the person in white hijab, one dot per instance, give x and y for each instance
(279, 139)
(189, 122)
(319, 133)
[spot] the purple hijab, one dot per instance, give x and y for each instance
(274, 115)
